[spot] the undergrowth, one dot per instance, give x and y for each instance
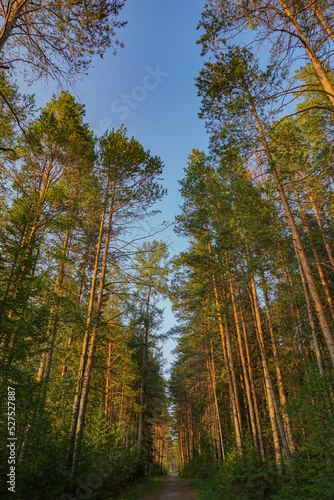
(251, 478)
(136, 491)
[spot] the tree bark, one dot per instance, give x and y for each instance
(272, 402)
(280, 385)
(317, 259)
(251, 378)
(316, 9)
(87, 372)
(242, 357)
(214, 390)
(311, 320)
(229, 368)
(85, 345)
(141, 416)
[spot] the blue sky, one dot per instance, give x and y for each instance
(149, 86)
(156, 71)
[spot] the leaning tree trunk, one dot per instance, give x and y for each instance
(316, 258)
(298, 244)
(251, 378)
(10, 21)
(316, 63)
(311, 320)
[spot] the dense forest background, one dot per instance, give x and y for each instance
(248, 411)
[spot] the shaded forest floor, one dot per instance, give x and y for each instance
(142, 490)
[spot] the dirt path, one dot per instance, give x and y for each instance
(173, 489)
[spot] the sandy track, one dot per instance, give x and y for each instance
(173, 489)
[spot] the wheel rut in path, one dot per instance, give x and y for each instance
(173, 489)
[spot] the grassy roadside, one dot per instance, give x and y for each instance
(136, 491)
(202, 490)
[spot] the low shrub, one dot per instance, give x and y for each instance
(251, 478)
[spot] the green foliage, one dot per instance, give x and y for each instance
(251, 478)
(309, 478)
(200, 467)
(50, 225)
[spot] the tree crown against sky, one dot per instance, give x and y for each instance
(56, 39)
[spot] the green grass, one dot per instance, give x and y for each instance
(136, 491)
(202, 490)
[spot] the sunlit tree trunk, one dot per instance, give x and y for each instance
(85, 345)
(214, 391)
(242, 357)
(311, 320)
(91, 348)
(280, 385)
(142, 395)
(251, 378)
(317, 259)
(226, 344)
(319, 221)
(317, 10)
(275, 418)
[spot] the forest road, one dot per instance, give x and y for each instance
(173, 488)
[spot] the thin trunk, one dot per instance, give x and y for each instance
(319, 221)
(67, 344)
(91, 351)
(232, 369)
(141, 416)
(230, 383)
(311, 319)
(214, 390)
(316, 9)
(227, 358)
(84, 351)
(242, 357)
(280, 385)
(70, 338)
(275, 418)
(108, 384)
(120, 413)
(251, 378)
